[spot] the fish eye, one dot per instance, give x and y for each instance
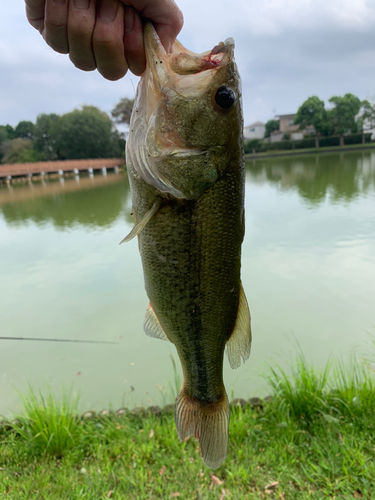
(225, 97)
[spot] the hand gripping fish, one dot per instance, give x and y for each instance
(186, 170)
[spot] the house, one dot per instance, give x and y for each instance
(276, 136)
(254, 131)
(287, 123)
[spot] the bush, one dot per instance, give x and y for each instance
(325, 142)
(19, 151)
(305, 143)
(251, 144)
(262, 147)
(356, 138)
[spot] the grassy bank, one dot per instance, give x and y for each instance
(313, 439)
(304, 151)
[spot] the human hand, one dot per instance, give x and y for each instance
(104, 34)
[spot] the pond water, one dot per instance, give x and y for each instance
(308, 270)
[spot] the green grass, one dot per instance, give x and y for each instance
(47, 424)
(314, 439)
(353, 391)
(302, 395)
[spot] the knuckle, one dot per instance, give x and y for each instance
(80, 30)
(179, 21)
(54, 25)
(105, 39)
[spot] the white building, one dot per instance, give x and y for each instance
(254, 131)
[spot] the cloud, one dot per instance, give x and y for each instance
(286, 50)
(35, 79)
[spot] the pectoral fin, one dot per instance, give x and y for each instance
(239, 343)
(143, 222)
(152, 327)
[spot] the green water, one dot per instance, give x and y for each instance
(308, 272)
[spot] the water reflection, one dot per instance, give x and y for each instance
(308, 274)
(90, 201)
(99, 201)
(342, 177)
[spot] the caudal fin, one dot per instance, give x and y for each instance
(208, 422)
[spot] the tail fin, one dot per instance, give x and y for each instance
(208, 422)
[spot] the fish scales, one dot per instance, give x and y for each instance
(190, 255)
(187, 183)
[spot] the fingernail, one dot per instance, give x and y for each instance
(81, 4)
(108, 10)
(129, 20)
(60, 2)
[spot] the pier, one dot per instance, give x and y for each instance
(8, 171)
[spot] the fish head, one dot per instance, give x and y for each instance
(187, 110)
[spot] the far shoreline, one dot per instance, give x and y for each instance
(309, 151)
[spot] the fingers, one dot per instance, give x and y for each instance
(168, 23)
(107, 40)
(133, 41)
(35, 13)
(166, 16)
(55, 24)
(104, 34)
(81, 23)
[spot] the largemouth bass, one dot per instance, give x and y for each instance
(186, 170)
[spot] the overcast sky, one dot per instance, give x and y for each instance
(286, 50)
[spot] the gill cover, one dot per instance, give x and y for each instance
(174, 88)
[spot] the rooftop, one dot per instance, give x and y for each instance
(255, 124)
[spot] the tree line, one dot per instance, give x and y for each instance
(348, 114)
(82, 133)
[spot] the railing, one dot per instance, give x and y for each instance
(9, 170)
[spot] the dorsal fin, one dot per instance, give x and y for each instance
(142, 223)
(152, 327)
(239, 343)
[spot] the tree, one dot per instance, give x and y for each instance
(85, 133)
(271, 126)
(123, 110)
(118, 144)
(312, 112)
(343, 114)
(19, 151)
(366, 119)
(45, 132)
(24, 130)
(3, 137)
(8, 130)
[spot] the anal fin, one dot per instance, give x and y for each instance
(239, 343)
(143, 222)
(152, 327)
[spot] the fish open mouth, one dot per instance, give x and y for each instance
(182, 61)
(174, 90)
